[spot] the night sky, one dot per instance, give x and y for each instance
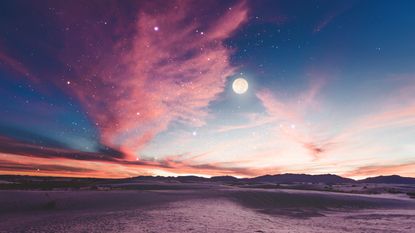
(128, 88)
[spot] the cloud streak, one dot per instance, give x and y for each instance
(405, 169)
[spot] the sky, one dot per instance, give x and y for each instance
(126, 88)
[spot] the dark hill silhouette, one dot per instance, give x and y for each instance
(302, 178)
(224, 179)
(37, 182)
(393, 179)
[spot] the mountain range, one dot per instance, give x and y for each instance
(276, 179)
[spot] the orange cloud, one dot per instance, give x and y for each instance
(405, 169)
(120, 169)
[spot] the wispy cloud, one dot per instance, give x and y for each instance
(405, 169)
(14, 65)
(254, 120)
(290, 118)
(173, 68)
(297, 135)
(338, 9)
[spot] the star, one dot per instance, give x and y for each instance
(156, 28)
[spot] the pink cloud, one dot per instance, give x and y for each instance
(322, 138)
(405, 169)
(396, 111)
(277, 108)
(290, 116)
(121, 169)
(169, 71)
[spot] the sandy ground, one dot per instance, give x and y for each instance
(203, 210)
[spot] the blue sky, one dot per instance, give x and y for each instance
(133, 88)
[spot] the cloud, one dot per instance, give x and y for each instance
(331, 14)
(254, 120)
(321, 138)
(289, 118)
(278, 109)
(27, 158)
(405, 169)
(12, 146)
(169, 70)
(15, 66)
(7, 166)
(394, 112)
(77, 167)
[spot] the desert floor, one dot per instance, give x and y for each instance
(204, 209)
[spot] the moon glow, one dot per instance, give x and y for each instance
(240, 85)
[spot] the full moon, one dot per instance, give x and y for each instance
(240, 85)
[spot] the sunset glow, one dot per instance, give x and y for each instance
(241, 88)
